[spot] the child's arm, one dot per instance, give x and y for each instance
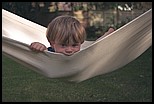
(36, 46)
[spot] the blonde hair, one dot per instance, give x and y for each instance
(66, 29)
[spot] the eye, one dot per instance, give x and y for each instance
(75, 45)
(63, 45)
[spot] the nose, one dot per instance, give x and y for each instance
(69, 50)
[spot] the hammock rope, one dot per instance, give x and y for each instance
(95, 58)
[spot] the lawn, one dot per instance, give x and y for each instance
(131, 83)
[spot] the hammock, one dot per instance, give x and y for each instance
(95, 58)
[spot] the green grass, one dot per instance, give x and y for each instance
(132, 83)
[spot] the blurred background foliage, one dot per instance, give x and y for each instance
(97, 17)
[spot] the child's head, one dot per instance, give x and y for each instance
(66, 34)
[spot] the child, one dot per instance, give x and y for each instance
(65, 35)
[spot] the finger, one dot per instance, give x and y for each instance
(33, 46)
(110, 30)
(42, 48)
(37, 47)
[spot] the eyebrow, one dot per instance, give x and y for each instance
(66, 43)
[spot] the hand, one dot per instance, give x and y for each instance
(36, 46)
(110, 30)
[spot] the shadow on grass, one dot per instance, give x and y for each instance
(132, 83)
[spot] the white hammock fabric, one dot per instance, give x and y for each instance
(95, 58)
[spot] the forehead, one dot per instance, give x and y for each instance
(67, 43)
(67, 40)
